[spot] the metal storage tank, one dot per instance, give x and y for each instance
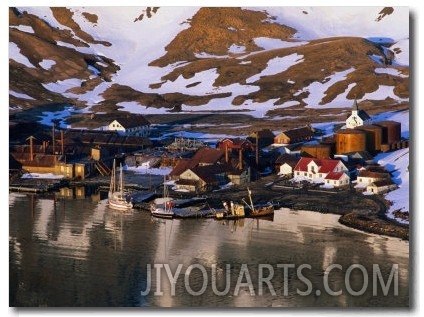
(331, 142)
(374, 136)
(316, 150)
(390, 131)
(350, 140)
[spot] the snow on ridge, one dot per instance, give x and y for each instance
(329, 21)
(317, 90)
(277, 65)
(23, 28)
(47, 63)
(270, 43)
(398, 163)
(390, 71)
(136, 108)
(401, 50)
(382, 93)
(61, 86)
(20, 95)
(237, 49)
(15, 54)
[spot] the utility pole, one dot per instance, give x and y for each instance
(53, 141)
(31, 152)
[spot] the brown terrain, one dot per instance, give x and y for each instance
(211, 31)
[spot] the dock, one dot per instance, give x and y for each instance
(37, 185)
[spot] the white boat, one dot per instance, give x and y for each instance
(163, 210)
(163, 206)
(117, 198)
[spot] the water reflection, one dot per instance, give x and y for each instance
(75, 251)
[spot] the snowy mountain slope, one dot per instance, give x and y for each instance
(257, 59)
(330, 21)
(397, 162)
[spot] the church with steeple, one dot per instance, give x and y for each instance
(358, 117)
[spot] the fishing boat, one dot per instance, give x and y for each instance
(163, 207)
(258, 210)
(231, 211)
(117, 198)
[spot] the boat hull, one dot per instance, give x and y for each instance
(120, 205)
(262, 212)
(162, 215)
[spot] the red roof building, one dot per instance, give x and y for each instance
(337, 179)
(318, 169)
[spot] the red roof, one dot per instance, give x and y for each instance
(327, 165)
(302, 165)
(324, 165)
(207, 156)
(182, 165)
(204, 156)
(334, 176)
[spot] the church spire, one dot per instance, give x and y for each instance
(355, 105)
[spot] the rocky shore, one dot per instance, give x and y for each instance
(358, 211)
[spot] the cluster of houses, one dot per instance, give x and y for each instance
(297, 155)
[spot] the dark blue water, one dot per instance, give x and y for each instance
(78, 252)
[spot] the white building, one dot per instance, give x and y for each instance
(357, 118)
(134, 125)
(317, 169)
(337, 179)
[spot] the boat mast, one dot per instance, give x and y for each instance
(112, 178)
(250, 198)
(120, 180)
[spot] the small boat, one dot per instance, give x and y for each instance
(258, 210)
(117, 199)
(163, 207)
(233, 211)
(164, 210)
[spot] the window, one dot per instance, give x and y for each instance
(305, 174)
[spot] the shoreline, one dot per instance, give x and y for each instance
(362, 212)
(357, 211)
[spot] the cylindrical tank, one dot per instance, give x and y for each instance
(374, 137)
(350, 140)
(316, 150)
(331, 142)
(390, 131)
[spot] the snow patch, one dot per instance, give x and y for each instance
(317, 90)
(15, 54)
(146, 169)
(20, 95)
(23, 28)
(382, 93)
(397, 162)
(135, 107)
(42, 176)
(331, 21)
(47, 63)
(61, 86)
(390, 71)
(277, 65)
(271, 44)
(237, 49)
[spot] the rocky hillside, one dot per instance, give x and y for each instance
(149, 60)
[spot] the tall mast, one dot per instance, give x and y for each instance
(112, 178)
(250, 197)
(120, 179)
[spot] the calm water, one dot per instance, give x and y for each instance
(78, 252)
